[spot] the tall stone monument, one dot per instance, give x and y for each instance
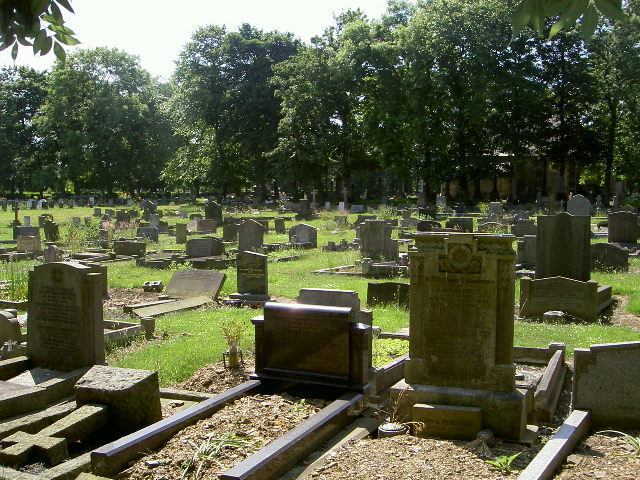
(253, 281)
(65, 326)
(461, 340)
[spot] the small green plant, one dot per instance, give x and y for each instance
(296, 407)
(233, 330)
(14, 280)
(630, 440)
(503, 462)
(211, 448)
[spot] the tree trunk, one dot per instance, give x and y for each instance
(611, 143)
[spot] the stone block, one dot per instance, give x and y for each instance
(447, 421)
(133, 396)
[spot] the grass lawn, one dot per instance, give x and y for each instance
(191, 339)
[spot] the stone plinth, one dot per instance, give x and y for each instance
(622, 227)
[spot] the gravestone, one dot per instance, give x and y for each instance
(53, 254)
(28, 244)
(181, 233)
(466, 280)
(22, 231)
(195, 283)
(304, 211)
(520, 228)
(376, 241)
(150, 233)
(462, 224)
(495, 209)
(125, 217)
(213, 211)
(427, 225)
(253, 282)
(230, 232)
(579, 205)
(622, 227)
(206, 225)
(388, 293)
(250, 236)
(357, 208)
(76, 221)
(304, 234)
(26, 221)
(129, 248)
(562, 248)
(51, 231)
(527, 251)
(204, 247)
(605, 382)
(312, 344)
(279, 225)
(9, 328)
(336, 298)
(606, 257)
(65, 316)
(441, 200)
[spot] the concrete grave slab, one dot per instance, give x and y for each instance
(192, 282)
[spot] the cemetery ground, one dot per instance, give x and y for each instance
(187, 350)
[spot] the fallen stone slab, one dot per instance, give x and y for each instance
(549, 389)
(175, 306)
(13, 366)
(556, 450)
(277, 457)
(36, 421)
(111, 458)
(130, 308)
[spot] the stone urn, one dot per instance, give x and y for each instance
(391, 429)
(233, 355)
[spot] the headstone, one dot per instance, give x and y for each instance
(125, 217)
(129, 248)
(28, 244)
(388, 293)
(304, 211)
(304, 234)
(65, 316)
(441, 200)
(26, 221)
(51, 231)
(341, 206)
(53, 254)
(527, 251)
(579, 205)
(376, 241)
(466, 280)
(520, 228)
(194, 283)
(279, 225)
(607, 257)
(605, 384)
(76, 221)
(230, 232)
(205, 225)
(253, 283)
(495, 209)
(357, 208)
(427, 225)
(9, 328)
(312, 344)
(213, 211)
(622, 227)
(463, 224)
(336, 298)
(181, 233)
(250, 236)
(204, 247)
(327, 206)
(562, 248)
(22, 231)
(147, 232)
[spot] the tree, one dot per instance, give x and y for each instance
(103, 123)
(22, 92)
(35, 23)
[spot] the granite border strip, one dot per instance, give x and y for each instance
(556, 450)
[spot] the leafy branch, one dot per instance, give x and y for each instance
(35, 23)
(535, 12)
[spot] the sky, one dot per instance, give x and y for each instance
(157, 30)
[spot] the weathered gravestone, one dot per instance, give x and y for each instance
(64, 324)
(607, 257)
(427, 225)
(253, 280)
(213, 211)
(376, 241)
(250, 236)
(129, 248)
(53, 254)
(230, 232)
(28, 244)
(495, 209)
(623, 227)
(206, 225)
(194, 283)
(312, 344)
(562, 248)
(388, 293)
(527, 251)
(336, 298)
(466, 280)
(304, 234)
(463, 224)
(579, 205)
(22, 231)
(279, 225)
(204, 247)
(304, 211)
(520, 228)
(606, 383)
(148, 232)
(9, 328)
(181, 233)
